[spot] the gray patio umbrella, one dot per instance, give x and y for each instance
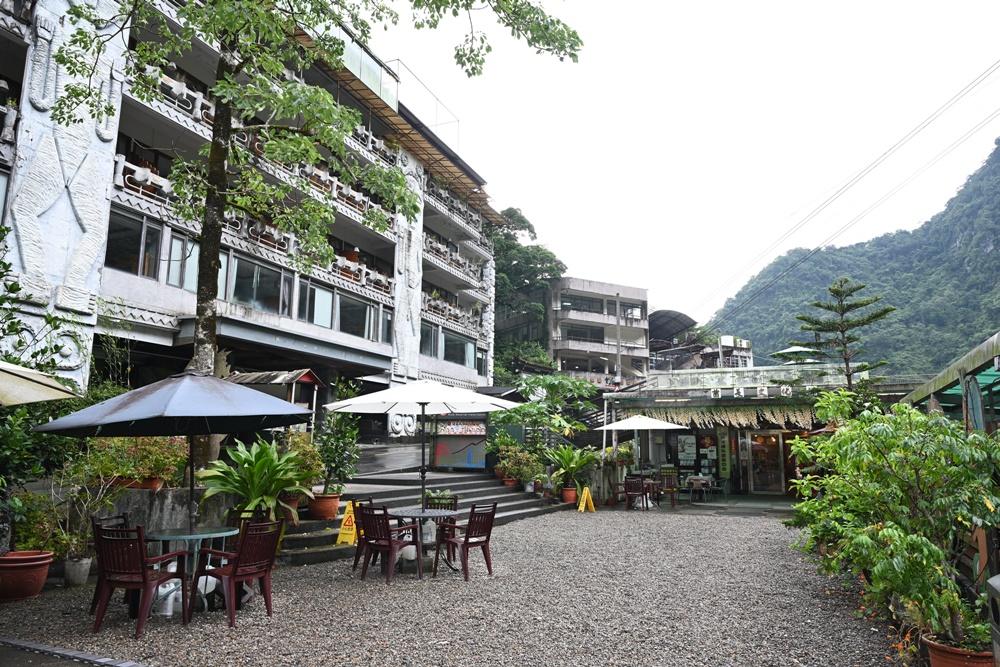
(424, 397)
(189, 403)
(19, 385)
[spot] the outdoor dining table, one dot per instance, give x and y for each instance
(421, 515)
(193, 538)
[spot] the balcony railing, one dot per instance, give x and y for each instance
(572, 342)
(142, 180)
(709, 378)
(453, 313)
(375, 145)
(469, 271)
(603, 380)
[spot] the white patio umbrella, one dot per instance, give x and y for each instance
(19, 385)
(639, 423)
(424, 397)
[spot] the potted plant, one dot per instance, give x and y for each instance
(258, 476)
(87, 485)
(336, 438)
(23, 572)
(893, 494)
(308, 465)
(144, 462)
(523, 466)
(493, 443)
(571, 464)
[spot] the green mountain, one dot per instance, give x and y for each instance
(943, 276)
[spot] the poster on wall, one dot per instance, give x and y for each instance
(687, 449)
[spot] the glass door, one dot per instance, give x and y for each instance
(767, 463)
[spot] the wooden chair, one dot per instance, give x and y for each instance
(360, 532)
(238, 518)
(634, 489)
(668, 486)
(381, 537)
(253, 561)
(122, 552)
(116, 521)
(617, 492)
(443, 503)
(477, 531)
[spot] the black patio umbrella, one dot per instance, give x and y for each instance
(189, 403)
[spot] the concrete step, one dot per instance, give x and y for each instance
(314, 541)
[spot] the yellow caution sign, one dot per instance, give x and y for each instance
(348, 528)
(586, 502)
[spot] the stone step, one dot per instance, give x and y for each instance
(329, 552)
(314, 541)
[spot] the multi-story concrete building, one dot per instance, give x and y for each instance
(96, 240)
(593, 330)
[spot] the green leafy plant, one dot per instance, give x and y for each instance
(36, 525)
(571, 464)
(85, 486)
(522, 464)
(257, 476)
(336, 439)
(431, 494)
(894, 495)
(310, 464)
(141, 457)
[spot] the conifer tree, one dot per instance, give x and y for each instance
(837, 336)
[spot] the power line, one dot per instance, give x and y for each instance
(940, 156)
(957, 97)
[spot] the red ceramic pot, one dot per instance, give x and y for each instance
(22, 574)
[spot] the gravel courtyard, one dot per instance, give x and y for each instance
(611, 588)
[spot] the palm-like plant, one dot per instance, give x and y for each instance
(570, 463)
(257, 475)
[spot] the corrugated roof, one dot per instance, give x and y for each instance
(275, 377)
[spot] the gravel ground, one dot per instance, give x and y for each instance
(611, 588)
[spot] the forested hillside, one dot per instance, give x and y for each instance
(944, 277)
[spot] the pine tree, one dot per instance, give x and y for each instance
(837, 336)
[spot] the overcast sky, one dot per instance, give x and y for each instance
(692, 136)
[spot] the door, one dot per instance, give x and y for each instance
(767, 463)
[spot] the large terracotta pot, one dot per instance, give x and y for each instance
(154, 483)
(509, 481)
(324, 506)
(569, 494)
(949, 656)
(22, 574)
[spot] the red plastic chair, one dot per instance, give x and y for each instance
(476, 535)
(117, 521)
(122, 552)
(360, 532)
(252, 561)
(381, 537)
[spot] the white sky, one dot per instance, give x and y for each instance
(693, 135)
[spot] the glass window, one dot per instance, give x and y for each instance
(182, 270)
(594, 334)
(481, 362)
(261, 287)
(586, 304)
(387, 325)
(133, 246)
(223, 273)
(354, 317)
(315, 304)
(459, 350)
(428, 340)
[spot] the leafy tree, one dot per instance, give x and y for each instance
(263, 49)
(837, 336)
(510, 357)
(553, 400)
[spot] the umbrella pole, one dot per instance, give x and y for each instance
(192, 504)
(423, 452)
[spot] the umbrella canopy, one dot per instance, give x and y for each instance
(190, 403)
(425, 397)
(19, 384)
(639, 423)
(795, 350)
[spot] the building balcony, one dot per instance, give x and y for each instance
(482, 246)
(464, 320)
(456, 218)
(466, 272)
(631, 348)
(603, 380)
(372, 147)
(589, 317)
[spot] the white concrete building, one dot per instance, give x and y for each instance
(97, 243)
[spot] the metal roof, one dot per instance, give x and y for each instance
(981, 362)
(275, 377)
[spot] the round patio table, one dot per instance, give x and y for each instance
(418, 513)
(193, 539)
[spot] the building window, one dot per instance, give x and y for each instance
(387, 325)
(182, 270)
(459, 350)
(315, 304)
(586, 304)
(428, 340)
(261, 287)
(354, 317)
(481, 363)
(133, 246)
(589, 334)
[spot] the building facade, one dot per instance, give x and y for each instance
(97, 242)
